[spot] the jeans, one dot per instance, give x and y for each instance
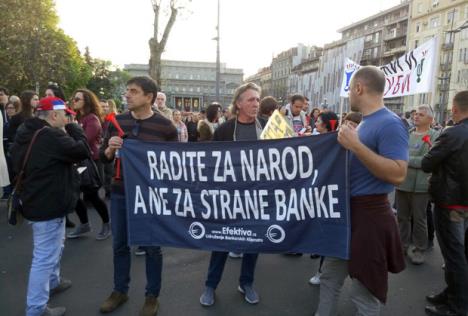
(48, 239)
(122, 255)
(334, 273)
(217, 262)
(451, 226)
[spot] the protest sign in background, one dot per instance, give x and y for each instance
(277, 127)
(412, 73)
(248, 196)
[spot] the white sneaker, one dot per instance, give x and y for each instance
(315, 280)
(235, 255)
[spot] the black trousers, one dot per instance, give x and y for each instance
(451, 227)
(96, 201)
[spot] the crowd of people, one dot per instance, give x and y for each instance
(49, 137)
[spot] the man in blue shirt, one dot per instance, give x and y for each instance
(379, 155)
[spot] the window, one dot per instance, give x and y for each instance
(375, 52)
(435, 3)
(418, 27)
(434, 23)
(420, 7)
(464, 34)
(416, 43)
(451, 16)
(377, 37)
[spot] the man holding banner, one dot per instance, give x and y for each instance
(140, 123)
(379, 148)
(244, 126)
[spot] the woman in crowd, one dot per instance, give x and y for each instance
(207, 126)
(54, 90)
(326, 122)
(314, 115)
(28, 100)
(108, 107)
(10, 110)
(88, 110)
(181, 128)
(191, 123)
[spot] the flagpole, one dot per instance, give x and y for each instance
(341, 110)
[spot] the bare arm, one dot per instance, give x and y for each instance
(385, 169)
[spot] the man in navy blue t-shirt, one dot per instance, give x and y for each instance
(379, 155)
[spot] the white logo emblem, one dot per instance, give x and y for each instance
(197, 230)
(275, 234)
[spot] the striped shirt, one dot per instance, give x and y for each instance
(156, 128)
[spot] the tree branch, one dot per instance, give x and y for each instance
(169, 25)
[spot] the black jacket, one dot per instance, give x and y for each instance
(448, 162)
(50, 186)
(225, 132)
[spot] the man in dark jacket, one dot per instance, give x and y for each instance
(244, 126)
(50, 189)
(448, 187)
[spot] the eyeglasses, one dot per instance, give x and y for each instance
(136, 128)
(76, 99)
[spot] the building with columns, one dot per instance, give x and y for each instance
(191, 86)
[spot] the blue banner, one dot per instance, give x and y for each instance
(274, 196)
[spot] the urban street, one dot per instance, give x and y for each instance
(281, 281)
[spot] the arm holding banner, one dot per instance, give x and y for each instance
(386, 169)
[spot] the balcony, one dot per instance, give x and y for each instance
(394, 35)
(395, 19)
(394, 51)
(444, 66)
(443, 86)
(447, 46)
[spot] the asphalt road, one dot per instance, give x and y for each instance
(281, 281)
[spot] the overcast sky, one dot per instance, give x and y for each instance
(252, 31)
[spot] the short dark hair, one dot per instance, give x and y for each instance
(147, 84)
(355, 117)
(57, 90)
(268, 105)
(297, 97)
(327, 117)
(4, 90)
(461, 100)
(371, 77)
(212, 111)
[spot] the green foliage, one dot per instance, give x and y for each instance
(34, 50)
(106, 82)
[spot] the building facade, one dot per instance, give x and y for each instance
(448, 21)
(304, 76)
(281, 68)
(327, 87)
(263, 79)
(191, 86)
(385, 39)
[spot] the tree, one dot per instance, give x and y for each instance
(157, 45)
(107, 81)
(35, 51)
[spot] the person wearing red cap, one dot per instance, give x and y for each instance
(49, 191)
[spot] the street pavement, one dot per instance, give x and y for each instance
(281, 281)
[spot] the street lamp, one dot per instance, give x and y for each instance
(218, 66)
